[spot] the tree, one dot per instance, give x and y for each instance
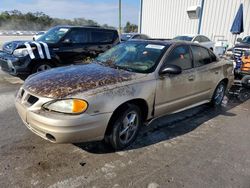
(130, 28)
(16, 20)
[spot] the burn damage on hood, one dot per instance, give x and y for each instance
(66, 81)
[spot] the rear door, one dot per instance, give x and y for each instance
(206, 71)
(175, 92)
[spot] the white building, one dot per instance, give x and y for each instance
(169, 18)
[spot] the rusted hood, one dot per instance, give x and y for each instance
(70, 80)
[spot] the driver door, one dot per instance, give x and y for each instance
(175, 92)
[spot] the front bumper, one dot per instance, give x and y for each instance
(62, 128)
(14, 65)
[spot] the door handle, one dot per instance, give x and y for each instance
(216, 72)
(191, 78)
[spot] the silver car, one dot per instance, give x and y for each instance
(131, 83)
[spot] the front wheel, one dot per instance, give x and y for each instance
(39, 67)
(126, 127)
(218, 95)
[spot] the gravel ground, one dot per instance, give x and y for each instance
(201, 147)
(4, 39)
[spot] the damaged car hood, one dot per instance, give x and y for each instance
(9, 47)
(71, 80)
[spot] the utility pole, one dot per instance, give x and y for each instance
(120, 17)
(200, 16)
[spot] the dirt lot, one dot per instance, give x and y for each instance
(4, 39)
(201, 147)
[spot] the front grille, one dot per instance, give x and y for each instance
(26, 98)
(32, 100)
(21, 93)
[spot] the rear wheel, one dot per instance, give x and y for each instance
(126, 127)
(218, 95)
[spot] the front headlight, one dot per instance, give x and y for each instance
(67, 106)
(22, 52)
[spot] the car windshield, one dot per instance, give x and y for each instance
(133, 56)
(186, 38)
(53, 35)
(125, 37)
(246, 39)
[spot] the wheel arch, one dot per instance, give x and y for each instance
(141, 103)
(54, 62)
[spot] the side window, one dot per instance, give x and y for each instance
(204, 39)
(180, 56)
(197, 39)
(78, 36)
(212, 56)
(102, 36)
(201, 56)
(137, 37)
(144, 37)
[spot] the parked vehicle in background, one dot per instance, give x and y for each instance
(38, 35)
(201, 39)
(239, 50)
(134, 82)
(128, 36)
(59, 46)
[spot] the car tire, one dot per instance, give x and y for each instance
(244, 95)
(41, 66)
(218, 95)
(125, 127)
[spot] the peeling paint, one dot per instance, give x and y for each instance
(66, 81)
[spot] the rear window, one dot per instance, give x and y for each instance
(201, 56)
(102, 36)
(186, 38)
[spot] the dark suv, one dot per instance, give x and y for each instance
(61, 45)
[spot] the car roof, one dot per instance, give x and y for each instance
(87, 26)
(163, 42)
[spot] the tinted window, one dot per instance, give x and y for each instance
(204, 39)
(197, 39)
(125, 37)
(212, 56)
(246, 39)
(137, 37)
(77, 36)
(180, 56)
(102, 36)
(187, 38)
(144, 37)
(201, 56)
(54, 35)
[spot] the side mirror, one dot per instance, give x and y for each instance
(239, 39)
(67, 41)
(170, 69)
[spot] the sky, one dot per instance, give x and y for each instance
(102, 11)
